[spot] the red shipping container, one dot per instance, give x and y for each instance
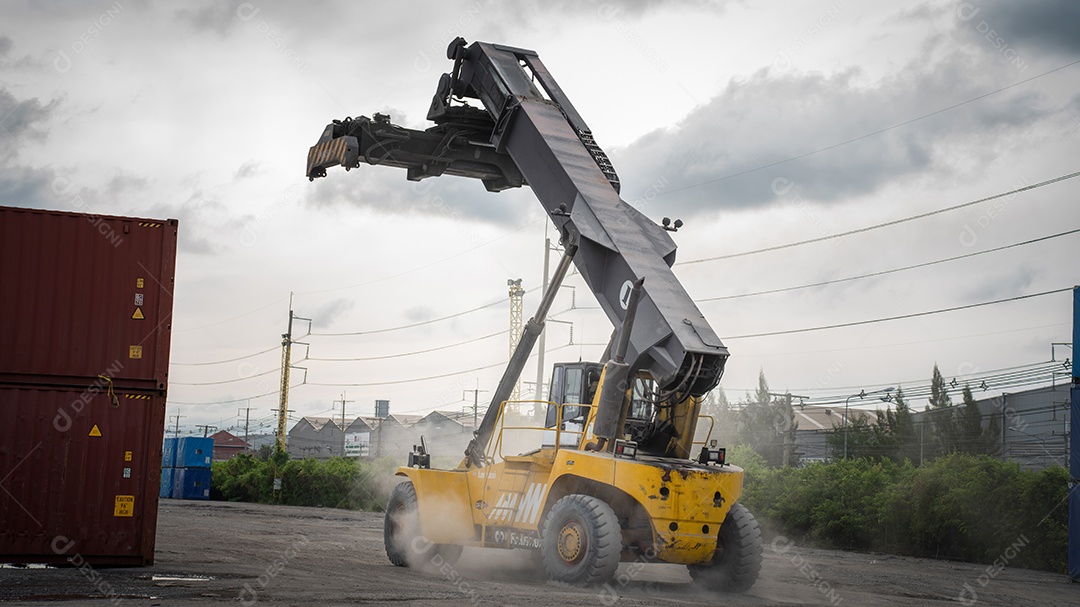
(85, 325)
(85, 295)
(81, 474)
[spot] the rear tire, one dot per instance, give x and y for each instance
(405, 546)
(582, 541)
(737, 561)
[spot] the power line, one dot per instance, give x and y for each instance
(866, 136)
(900, 317)
(231, 360)
(234, 400)
(886, 224)
(221, 322)
(418, 379)
(226, 381)
(424, 267)
(403, 354)
(884, 272)
(418, 324)
(444, 347)
(1041, 373)
(964, 378)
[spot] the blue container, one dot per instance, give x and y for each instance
(191, 483)
(194, 452)
(168, 453)
(167, 476)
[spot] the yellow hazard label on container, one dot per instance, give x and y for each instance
(127, 456)
(140, 283)
(138, 315)
(95, 431)
(134, 351)
(125, 505)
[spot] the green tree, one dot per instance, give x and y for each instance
(903, 424)
(895, 433)
(970, 428)
(946, 429)
(992, 436)
(763, 422)
(725, 418)
(862, 439)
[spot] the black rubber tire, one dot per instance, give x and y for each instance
(401, 527)
(401, 523)
(582, 541)
(737, 560)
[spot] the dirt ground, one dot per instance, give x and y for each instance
(213, 552)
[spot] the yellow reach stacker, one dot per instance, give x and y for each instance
(613, 472)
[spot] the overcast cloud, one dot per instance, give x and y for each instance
(204, 112)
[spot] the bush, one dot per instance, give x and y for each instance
(967, 507)
(335, 483)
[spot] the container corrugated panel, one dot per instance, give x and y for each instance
(194, 452)
(85, 295)
(168, 453)
(168, 476)
(191, 483)
(81, 472)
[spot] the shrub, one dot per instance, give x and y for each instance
(335, 483)
(967, 507)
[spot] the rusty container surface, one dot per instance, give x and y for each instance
(81, 474)
(85, 327)
(85, 295)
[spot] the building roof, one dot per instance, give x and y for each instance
(405, 419)
(226, 439)
(462, 418)
(318, 423)
(361, 422)
(826, 418)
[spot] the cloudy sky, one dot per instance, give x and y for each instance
(759, 125)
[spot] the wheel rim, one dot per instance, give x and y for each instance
(572, 542)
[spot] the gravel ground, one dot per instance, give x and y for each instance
(213, 552)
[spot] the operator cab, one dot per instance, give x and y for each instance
(572, 384)
(573, 388)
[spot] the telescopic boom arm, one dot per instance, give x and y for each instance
(528, 133)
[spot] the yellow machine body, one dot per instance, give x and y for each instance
(669, 509)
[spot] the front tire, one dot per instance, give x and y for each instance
(582, 541)
(401, 525)
(737, 561)
(401, 531)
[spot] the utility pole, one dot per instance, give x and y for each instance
(247, 421)
(789, 427)
(922, 425)
(1073, 561)
(206, 429)
(542, 341)
(517, 295)
(178, 416)
(1004, 426)
(343, 401)
(476, 401)
(286, 364)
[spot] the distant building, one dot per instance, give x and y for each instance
(815, 424)
(318, 437)
(228, 446)
(1034, 425)
(446, 433)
